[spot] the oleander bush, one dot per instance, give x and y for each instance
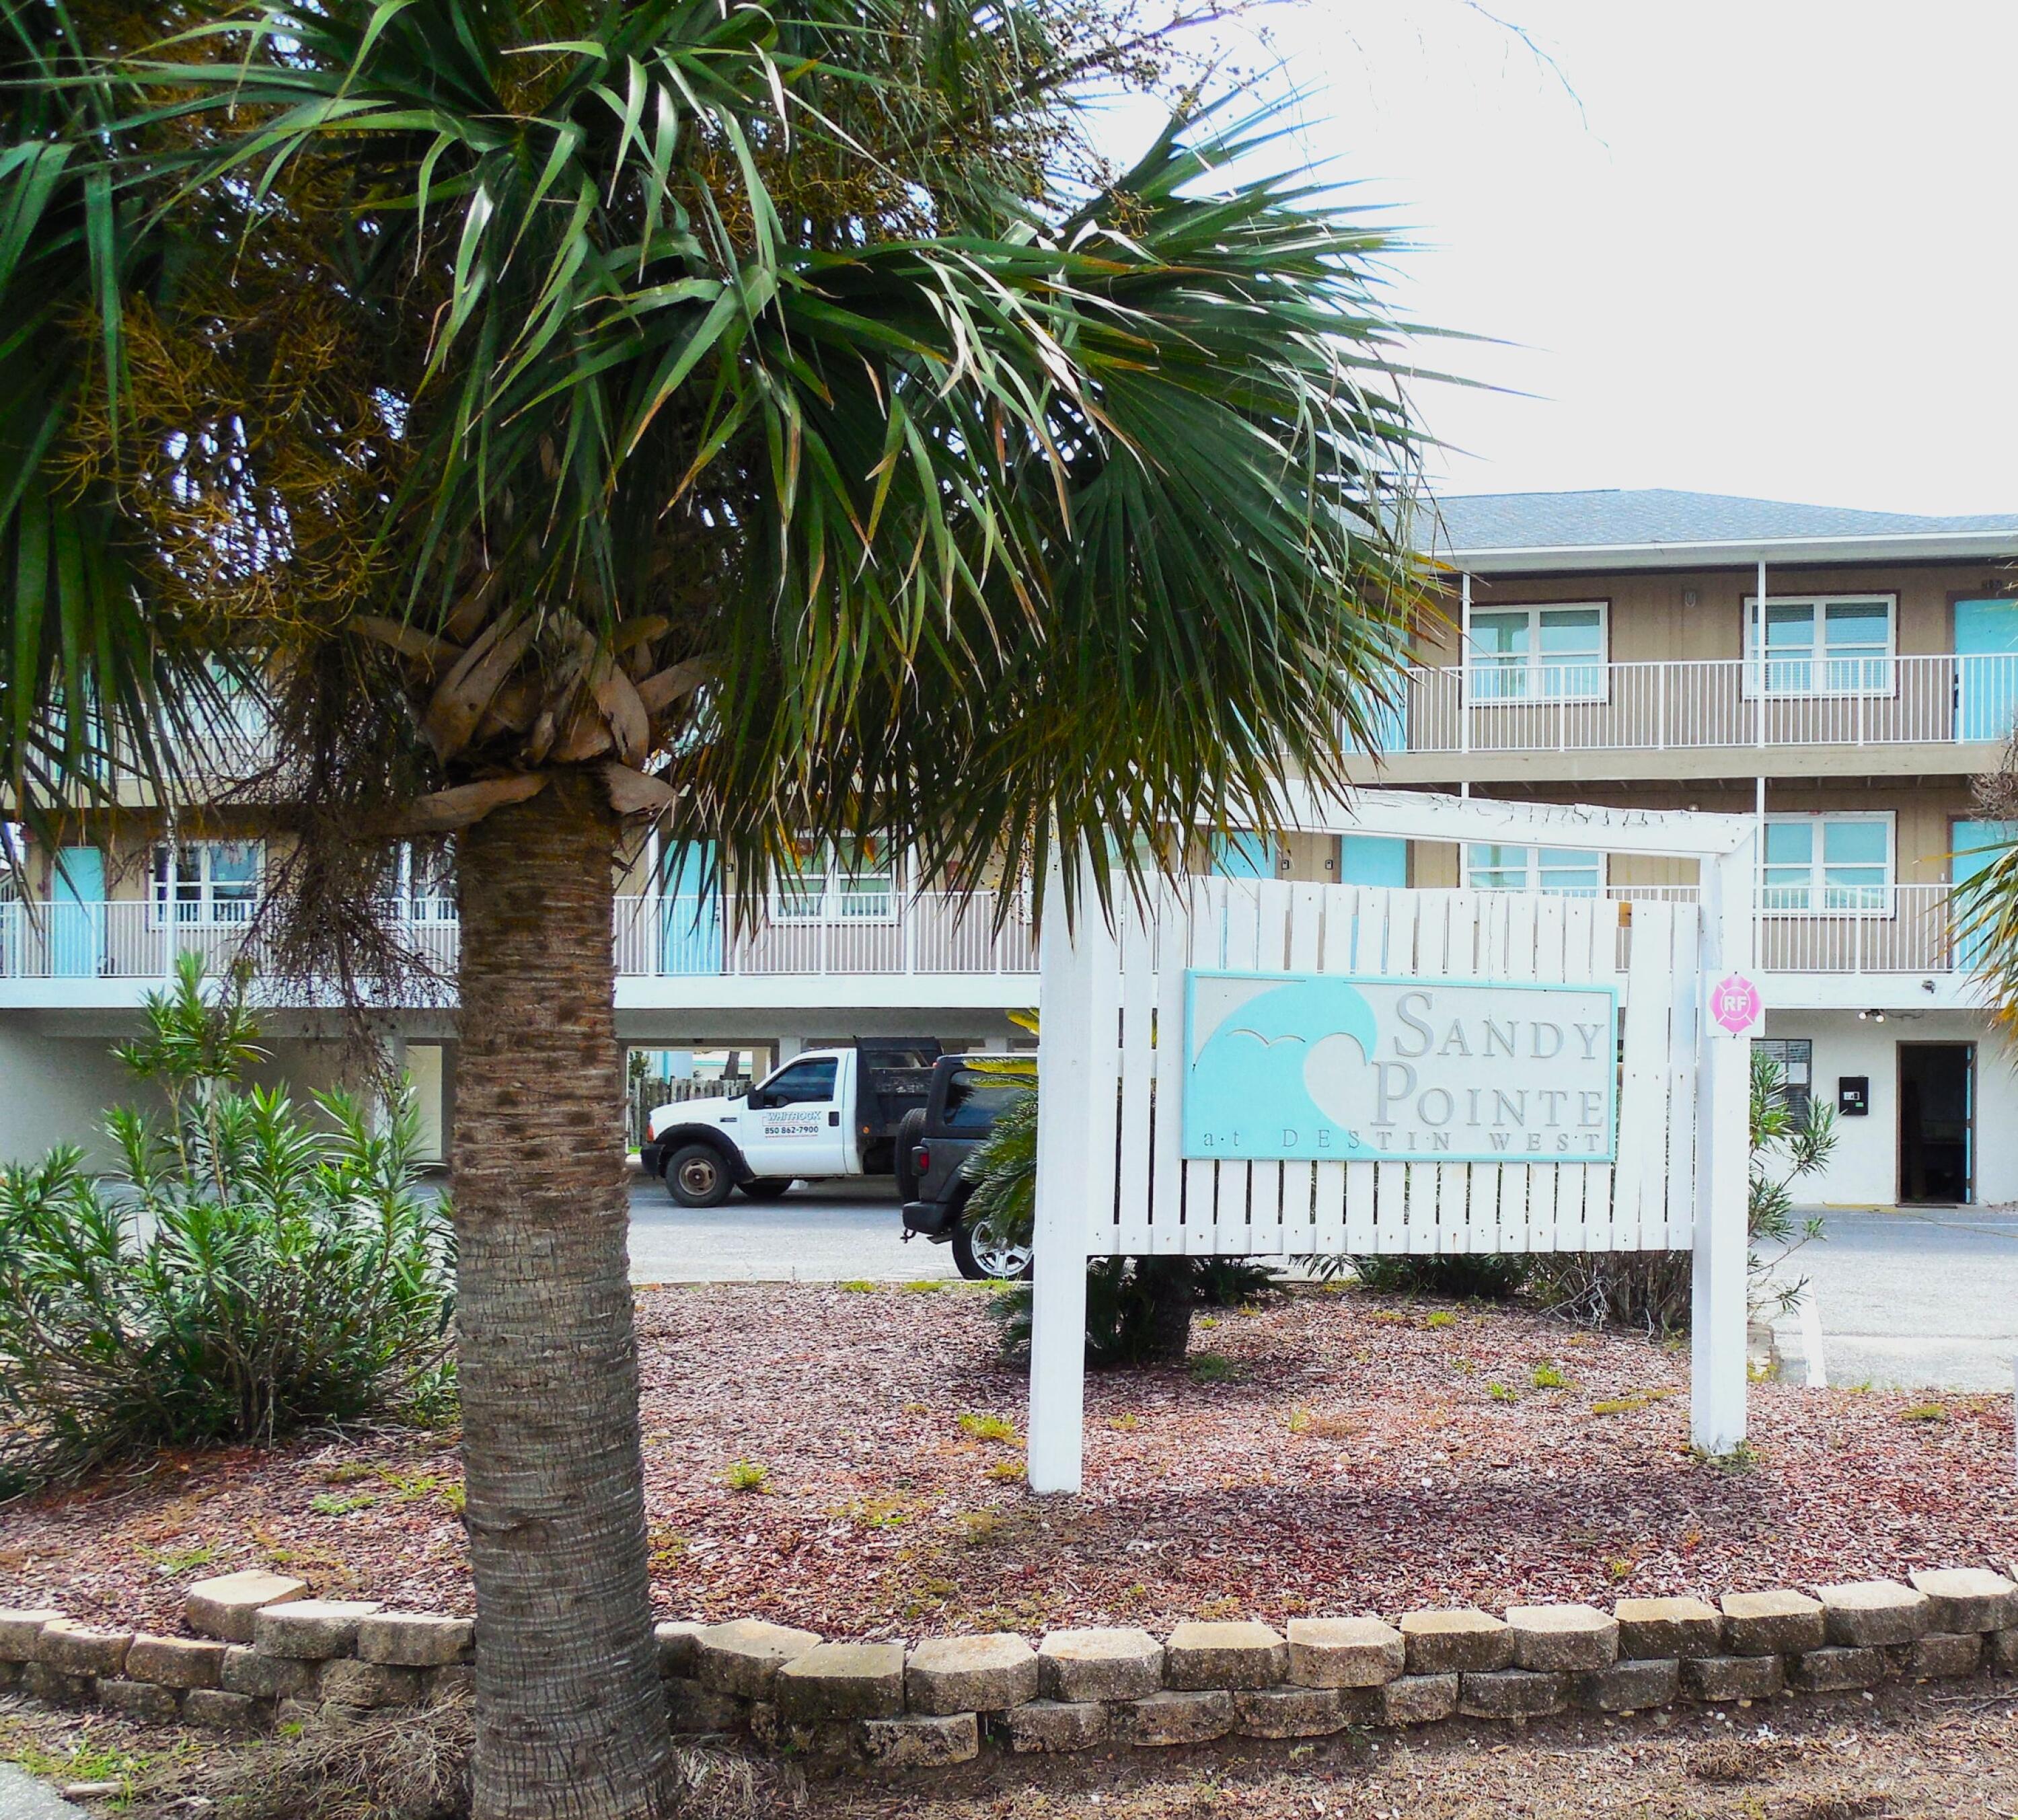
(248, 1270)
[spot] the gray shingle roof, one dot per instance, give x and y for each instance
(1656, 515)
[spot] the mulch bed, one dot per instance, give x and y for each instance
(1327, 1452)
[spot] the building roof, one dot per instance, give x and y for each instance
(1660, 527)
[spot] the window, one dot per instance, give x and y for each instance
(1833, 645)
(801, 1083)
(213, 881)
(1795, 1057)
(421, 886)
(1538, 654)
(1827, 863)
(834, 884)
(1560, 872)
(974, 1100)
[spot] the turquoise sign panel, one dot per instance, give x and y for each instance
(1322, 1067)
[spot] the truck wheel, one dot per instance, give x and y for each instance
(910, 1128)
(981, 1254)
(697, 1175)
(767, 1188)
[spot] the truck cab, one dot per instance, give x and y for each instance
(826, 1113)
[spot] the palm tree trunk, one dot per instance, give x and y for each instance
(570, 1715)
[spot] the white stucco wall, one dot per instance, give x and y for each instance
(54, 1090)
(1863, 1171)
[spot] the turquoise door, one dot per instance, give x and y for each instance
(691, 930)
(1974, 844)
(1986, 642)
(76, 913)
(1373, 859)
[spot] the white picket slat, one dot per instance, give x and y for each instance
(1140, 1041)
(1684, 1036)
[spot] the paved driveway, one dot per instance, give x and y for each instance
(1913, 1298)
(838, 1233)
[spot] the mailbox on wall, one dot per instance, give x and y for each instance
(1852, 1095)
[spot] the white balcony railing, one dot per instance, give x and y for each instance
(937, 932)
(1896, 929)
(1721, 702)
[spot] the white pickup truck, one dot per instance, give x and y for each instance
(826, 1112)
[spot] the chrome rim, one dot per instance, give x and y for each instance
(994, 1255)
(698, 1176)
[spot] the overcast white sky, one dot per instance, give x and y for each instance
(1764, 248)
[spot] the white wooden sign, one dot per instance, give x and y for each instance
(1397, 1071)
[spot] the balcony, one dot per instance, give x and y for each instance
(1728, 703)
(1896, 944)
(935, 948)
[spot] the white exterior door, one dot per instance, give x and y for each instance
(797, 1122)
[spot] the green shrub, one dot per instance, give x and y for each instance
(245, 1273)
(1653, 1290)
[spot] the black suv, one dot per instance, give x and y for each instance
(932, 1142)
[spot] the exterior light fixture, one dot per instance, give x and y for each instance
(1873, 1016)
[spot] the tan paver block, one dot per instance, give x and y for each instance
(1418, 1700)
(1836, 1670)
(1778, 1623)
(1556, 1638)
(1344, 1652)
(833, 1682)
(1199, 1656)
(311, 1630)
(415, 1639)
(679, 1648)
(1055, 1725)
(1459, 1641)
(224, 1607)
(1512, 1693)
(265, 1677)
(1174, 1718)
(1629, 1687)
(1869, 1614)
(1717, 1679)
(70, 1648)
(1100, 1664)
(1289, 1712)
(970, 1674)
(742, 1657)
(1966, 1599)
(175, 1662)
(21, 1629)
(148, 1701)
(1941, 1655)
(922, 1740)
(1649, 1629)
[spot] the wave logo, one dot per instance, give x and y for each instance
(1282, 1070)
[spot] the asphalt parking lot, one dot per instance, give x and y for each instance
(835, 1232)
(1924, 1296)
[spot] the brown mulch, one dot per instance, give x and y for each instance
(1354, 1453)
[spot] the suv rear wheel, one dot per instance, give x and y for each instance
(982, 1255)
(697, 1175)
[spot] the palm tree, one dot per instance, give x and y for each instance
(767, 420)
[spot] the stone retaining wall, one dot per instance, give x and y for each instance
(264, 1653)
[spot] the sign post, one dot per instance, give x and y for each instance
(1733, 1012)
